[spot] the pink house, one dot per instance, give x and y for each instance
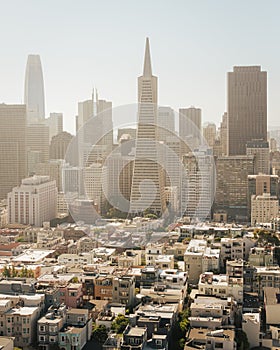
(72, 295)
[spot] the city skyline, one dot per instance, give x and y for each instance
(194, 51)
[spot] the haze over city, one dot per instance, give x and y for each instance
(100, 44)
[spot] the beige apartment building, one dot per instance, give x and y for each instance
(264, 208)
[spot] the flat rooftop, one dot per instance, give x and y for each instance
(33, 255)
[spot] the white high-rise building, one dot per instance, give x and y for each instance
(34, 96)
(198, 186)
(55, 124)
(33, 202)
(73, 179)
(165, 122)
(94, 128)
(93, 183)
(147, 191)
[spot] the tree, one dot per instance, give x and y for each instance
(6, 272)
(119, 324)
(100, 334)
(179, 330)
(241, 340)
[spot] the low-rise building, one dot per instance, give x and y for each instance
(152, 253)
(21, 323)
(205, 339)
(221, 285)
(7, 343)
(265, 277)
(212, 312)
(134, 338)
(103, 287)
(272, 305)
(130, 258)
(251, 326)
(235, 248)
(72, 295)
(49, 326)
(199, 258)
(123, 291)
(75, 259)
(173, 278)
(164, 262)
(77, 331)
(261, 256)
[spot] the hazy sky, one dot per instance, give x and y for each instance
(100, 43)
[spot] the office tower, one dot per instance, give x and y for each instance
(190, 126)
(73, 179)
(37, 143)
(259, 149)
(63, 201)
(247, 107)
(199, 184)
(174, 171)
(147, 192)
(217, 148)
(273, 145)
(95, 129)
(231, 185)
(210, 133)
(33, 202)
(85, 112)
(53, 169)
(59, 145)
(165, 122)
(104, 116)
(55, 124)
(13, 154)
(34, 96)
(93, 183)
(116, 181)
(224, 134)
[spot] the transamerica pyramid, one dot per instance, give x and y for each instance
(147, 191)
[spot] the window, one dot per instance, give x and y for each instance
(53, 329)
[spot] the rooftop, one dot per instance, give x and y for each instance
(33, 255)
